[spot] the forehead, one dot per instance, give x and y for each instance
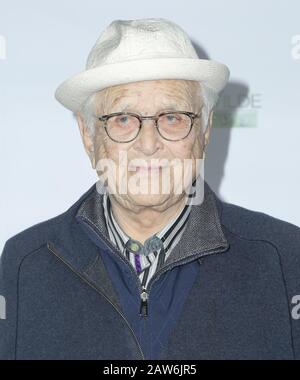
(165, 92)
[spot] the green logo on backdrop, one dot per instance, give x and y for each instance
(239, 119)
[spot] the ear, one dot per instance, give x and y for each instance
(86, 139)
(208, 129)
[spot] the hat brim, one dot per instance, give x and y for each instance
(73, 92)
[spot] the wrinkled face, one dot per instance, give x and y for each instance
(158, 186)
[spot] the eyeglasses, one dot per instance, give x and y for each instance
(124, 127)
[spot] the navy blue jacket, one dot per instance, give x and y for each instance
(228, 290)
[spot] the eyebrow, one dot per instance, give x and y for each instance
(163, 109)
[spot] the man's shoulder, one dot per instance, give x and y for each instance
(256, 225)
(31, 238)
(34, 237)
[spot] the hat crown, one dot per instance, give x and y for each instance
(125, 40)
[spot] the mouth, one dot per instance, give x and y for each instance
(147, 168)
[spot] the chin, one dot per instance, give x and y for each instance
(149, 199)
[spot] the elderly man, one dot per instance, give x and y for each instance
(149, 263)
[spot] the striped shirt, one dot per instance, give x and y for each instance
(146, 265)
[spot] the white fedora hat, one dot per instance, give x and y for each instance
(137, 50)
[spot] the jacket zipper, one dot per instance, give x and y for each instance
(98, 291)
(145, 292)
(144, 303)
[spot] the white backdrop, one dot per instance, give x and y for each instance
(254, 156)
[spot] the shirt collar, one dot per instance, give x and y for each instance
(203, 232)
(166, 235)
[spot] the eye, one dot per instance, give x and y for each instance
(172, 118)
(123, 119)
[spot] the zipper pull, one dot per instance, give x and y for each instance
(144, 303)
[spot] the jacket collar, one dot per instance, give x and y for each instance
(203, 232)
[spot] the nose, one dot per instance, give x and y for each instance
(148, 140)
